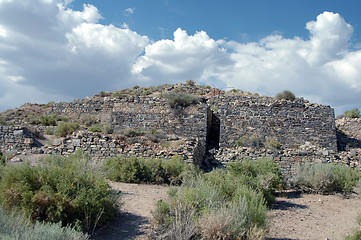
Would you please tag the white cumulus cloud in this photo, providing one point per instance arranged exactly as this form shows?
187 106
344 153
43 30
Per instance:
321 68
49 51
130 10
185 57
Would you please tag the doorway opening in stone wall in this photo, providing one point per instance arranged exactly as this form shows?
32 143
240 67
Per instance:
213 132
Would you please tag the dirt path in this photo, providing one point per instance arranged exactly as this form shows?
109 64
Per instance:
311 216
137 202
297 216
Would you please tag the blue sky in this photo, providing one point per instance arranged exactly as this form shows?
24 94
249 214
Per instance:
241 21
60 50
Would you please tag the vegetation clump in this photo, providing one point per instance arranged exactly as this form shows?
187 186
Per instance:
133 132
101 128
354 113
286 94
141 170
66 190
273 143
226 203
2 158
356 234
65 128
325 178
2 121
181 99
190 83
96 128
18 227
51 120
253 141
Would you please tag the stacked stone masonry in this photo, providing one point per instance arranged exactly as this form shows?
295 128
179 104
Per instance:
292 123
305 131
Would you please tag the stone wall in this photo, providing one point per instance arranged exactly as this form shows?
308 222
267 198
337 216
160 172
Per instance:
16 138
288 159
305 131
292 123
144 113
101 146
350 126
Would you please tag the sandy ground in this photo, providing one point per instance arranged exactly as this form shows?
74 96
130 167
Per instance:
295 216
311 216
137 202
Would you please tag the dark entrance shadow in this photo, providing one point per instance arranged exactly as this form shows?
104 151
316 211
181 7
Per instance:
213 131
285 205
124 226
345 142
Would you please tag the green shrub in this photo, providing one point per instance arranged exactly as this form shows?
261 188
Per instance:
2 121
107 129
272 142
357 188
137 170
325 178
96 128
2 158
133 132
88 120
190 82
181 99
101 128
288 95
226 203
263 175
18 227
49 120
253 141
236 221
49 131
64 189
199 210
66 128
49 104
354 113
356 234
34 120
178 222
9 154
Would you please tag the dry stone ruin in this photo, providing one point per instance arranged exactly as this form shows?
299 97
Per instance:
216 129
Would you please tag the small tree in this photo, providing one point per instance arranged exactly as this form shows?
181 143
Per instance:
190 82
181 99
288 95
66 128
354 113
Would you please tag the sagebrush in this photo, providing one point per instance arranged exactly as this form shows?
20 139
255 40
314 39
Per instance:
65 128
69 190
223 204
15 226
181 99
325 178
286 94
146 170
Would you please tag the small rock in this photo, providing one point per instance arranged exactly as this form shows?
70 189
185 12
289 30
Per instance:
16 159
57 142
